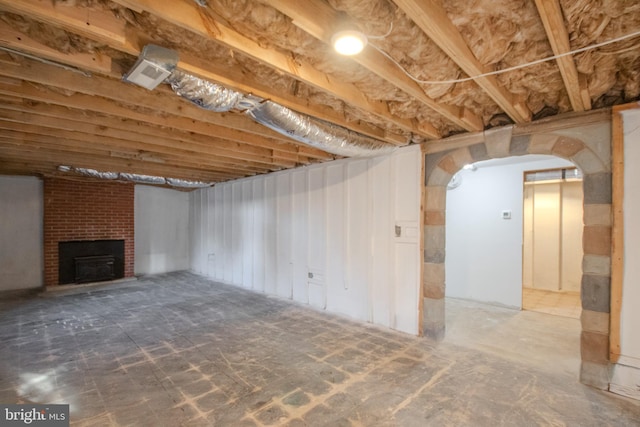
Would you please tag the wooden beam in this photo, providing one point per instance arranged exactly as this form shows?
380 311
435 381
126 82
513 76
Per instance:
112 32
129 41
89 22
195 129
617 231
550 124
22 42
40 155
110 147
431 17
238 79
159 100
203 22
553 21
319 19
73 120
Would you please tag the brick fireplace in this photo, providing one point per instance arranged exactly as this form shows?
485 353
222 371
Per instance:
86 211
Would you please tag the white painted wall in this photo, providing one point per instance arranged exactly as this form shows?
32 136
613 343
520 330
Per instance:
161 230
322 235
484 251
21 213
626 374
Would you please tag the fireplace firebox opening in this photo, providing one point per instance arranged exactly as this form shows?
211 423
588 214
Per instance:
90 261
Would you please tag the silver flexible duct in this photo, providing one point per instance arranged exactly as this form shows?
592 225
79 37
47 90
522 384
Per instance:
300 127
181 183
210 96
142 179
204 94
137 178
317 133
96 174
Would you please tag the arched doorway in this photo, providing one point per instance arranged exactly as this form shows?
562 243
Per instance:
589 149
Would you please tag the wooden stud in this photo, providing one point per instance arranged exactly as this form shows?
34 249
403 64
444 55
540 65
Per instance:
553 21
617 230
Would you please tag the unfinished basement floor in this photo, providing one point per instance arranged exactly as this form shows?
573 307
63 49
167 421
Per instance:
179 349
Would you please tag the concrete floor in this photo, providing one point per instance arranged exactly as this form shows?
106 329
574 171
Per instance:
178 349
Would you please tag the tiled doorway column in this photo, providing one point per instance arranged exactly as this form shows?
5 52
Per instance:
589 149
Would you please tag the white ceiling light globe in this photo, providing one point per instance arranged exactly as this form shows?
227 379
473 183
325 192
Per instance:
349 42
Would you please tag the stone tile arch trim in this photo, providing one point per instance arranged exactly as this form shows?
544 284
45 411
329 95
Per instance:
592 156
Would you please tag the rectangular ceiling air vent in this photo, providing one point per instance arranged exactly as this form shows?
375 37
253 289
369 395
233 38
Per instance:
154 64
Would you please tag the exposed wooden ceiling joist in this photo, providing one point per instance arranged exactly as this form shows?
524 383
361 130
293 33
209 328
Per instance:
98 131
107 88
43 153
320 20
433 20
200 21
80 112
169 126
553 21
105 28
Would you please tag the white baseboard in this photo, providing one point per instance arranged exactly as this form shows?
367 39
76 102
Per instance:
625 380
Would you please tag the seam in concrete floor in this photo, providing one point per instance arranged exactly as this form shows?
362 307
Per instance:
179 349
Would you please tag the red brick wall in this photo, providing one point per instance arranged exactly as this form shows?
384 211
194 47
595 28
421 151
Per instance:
86 210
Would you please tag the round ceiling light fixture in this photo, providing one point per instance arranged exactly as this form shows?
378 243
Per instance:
349 42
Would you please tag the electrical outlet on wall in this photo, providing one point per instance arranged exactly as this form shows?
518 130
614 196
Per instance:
506 214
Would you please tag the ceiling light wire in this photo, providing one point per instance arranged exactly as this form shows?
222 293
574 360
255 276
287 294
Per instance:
505 70
384 36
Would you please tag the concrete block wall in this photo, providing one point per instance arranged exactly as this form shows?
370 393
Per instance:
589 147
86 210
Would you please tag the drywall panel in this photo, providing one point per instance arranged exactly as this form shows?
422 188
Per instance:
382 295
227 230
204 239
337 240
358 239
406 239
270 233
299 222
323 235
317 240
237 231
484 251
195 223
162 230
247 234
21 245
218 230
284 236
210 238
626 374
258 235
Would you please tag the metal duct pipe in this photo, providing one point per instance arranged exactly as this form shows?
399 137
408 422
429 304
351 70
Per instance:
317 133
204 94
156 62
300 127
140 179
